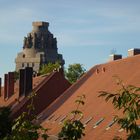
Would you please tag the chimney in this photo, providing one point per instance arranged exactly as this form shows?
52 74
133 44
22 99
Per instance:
10 84
61 70
28 80
0 87
134 51
114 57
25 81
21 82
5 85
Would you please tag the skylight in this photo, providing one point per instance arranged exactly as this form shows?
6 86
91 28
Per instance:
51 117
98 122
62 119
87 121
80 118
57 118
110 125
121 129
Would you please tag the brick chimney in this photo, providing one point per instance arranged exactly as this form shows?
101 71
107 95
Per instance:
10 84
114 57
21 82
5 85
0 87
134 51
61 70
25 81
28 80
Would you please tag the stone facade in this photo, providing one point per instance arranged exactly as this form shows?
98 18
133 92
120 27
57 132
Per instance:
39 47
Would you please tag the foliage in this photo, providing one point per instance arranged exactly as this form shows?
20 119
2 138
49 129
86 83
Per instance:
23 127
74 72
16 75
5 122
73 128
48 68
126 99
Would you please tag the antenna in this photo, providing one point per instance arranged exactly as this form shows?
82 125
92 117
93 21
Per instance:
113 51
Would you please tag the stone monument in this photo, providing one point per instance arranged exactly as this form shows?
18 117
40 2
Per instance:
39 47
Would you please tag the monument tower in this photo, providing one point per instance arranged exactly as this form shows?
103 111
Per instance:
39 47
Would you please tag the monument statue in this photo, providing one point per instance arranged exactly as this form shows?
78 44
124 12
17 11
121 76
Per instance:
39 47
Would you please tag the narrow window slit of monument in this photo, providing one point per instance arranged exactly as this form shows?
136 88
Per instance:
23 55
22 64
27 64
32 64
62 119
87 121
110 125
98 122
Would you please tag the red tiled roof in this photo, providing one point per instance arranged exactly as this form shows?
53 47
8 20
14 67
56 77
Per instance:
90 85
47 88
11 100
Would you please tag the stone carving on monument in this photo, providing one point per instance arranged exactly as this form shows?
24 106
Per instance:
39 47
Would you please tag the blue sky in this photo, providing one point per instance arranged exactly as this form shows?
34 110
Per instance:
86 30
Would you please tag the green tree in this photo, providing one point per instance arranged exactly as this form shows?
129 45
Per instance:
73 128
16 75
5 121
48 68
24 128
74 72
126 99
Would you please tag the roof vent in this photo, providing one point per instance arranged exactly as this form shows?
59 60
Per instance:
110 125
114 57
98 122
134 51
87 121
48 119
57 118
62 119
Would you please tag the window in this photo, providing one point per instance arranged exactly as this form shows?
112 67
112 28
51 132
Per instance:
98 122
110 125
27 64
22 64
80 118
62 119
87 121
57 118
40 116
48 119
33 64
23 55
121 129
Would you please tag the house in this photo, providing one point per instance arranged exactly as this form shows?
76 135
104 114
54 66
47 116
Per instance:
47 89
98 115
